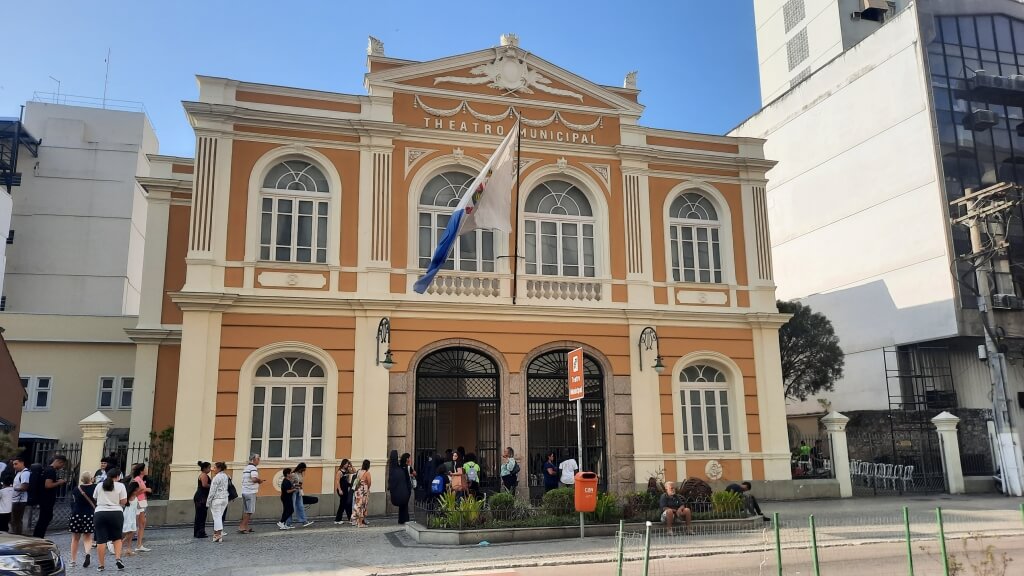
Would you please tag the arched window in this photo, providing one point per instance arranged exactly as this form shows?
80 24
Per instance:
294 203
288 409
474 252
559 231
704 405
694 230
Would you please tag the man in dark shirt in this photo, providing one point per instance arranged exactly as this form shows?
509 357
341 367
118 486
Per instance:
672 507
749 502
52 481
551 473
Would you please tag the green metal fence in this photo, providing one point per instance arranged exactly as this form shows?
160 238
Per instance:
920 542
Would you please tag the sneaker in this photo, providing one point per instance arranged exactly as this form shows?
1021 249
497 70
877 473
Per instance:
72 564
307 524
767 519
120 565
100 568
283 526
88 560
340 522
143 549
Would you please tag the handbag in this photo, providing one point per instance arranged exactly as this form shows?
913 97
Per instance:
412 479
232 493
309 499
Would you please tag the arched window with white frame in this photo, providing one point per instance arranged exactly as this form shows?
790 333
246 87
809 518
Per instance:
294 208
288 408
704 407
558 230
474 252
695 239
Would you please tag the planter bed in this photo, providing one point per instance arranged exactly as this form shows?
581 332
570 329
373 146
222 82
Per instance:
423 535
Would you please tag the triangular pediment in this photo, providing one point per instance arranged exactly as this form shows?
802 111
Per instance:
505 73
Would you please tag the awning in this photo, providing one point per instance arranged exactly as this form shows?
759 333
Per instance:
6 425
875 5
31 436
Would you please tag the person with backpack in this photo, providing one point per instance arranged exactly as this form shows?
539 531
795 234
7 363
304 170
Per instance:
509 470
52 481
22 484
36 488
400 486
472 470
439 484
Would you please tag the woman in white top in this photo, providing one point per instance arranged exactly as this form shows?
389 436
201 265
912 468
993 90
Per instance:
110 498
217 501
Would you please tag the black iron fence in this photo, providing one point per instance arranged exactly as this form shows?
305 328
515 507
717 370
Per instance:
157 463
811 456
41 459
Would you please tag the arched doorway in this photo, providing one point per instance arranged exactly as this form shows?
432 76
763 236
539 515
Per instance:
551 417
457 405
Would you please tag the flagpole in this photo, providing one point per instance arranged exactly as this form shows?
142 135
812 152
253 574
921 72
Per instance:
515 223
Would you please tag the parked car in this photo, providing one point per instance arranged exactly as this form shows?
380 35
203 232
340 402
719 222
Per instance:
27 556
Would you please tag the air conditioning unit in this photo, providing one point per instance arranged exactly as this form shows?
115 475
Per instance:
1017 82
981 120
1007 302
981 79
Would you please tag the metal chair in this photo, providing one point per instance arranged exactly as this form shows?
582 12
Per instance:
908 476
887 476
897 473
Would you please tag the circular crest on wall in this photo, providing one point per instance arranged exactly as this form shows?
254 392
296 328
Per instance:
713 470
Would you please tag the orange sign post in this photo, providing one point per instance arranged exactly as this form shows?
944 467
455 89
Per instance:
576 393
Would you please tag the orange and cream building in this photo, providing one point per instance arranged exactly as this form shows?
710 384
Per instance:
280 263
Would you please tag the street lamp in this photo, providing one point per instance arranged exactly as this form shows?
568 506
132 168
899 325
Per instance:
649 340
384 337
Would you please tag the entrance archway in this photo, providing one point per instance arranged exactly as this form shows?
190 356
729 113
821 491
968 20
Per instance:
457 404
551 417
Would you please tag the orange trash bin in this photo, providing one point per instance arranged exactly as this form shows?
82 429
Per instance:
586 491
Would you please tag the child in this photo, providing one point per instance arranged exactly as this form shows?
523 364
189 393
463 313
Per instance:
6 504
287 498
131 515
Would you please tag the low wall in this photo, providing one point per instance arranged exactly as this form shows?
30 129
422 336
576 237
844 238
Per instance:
980 485
467 537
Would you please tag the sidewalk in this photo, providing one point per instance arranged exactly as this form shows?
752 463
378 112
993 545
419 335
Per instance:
384 548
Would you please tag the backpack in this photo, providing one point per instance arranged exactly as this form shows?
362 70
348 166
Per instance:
437 485
515 470
472 471
36 485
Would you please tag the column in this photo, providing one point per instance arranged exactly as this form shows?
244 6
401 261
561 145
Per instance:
370 406
945 426
771 401
196 406
144 392
648 452
94 437
835 425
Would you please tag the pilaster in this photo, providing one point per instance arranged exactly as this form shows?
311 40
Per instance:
835 425
771 401
945 427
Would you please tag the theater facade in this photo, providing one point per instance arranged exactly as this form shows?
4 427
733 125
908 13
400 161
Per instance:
278 315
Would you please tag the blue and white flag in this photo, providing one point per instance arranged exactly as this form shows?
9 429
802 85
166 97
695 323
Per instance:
487 203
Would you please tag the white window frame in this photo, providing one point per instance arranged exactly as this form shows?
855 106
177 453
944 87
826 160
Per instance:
319 255
290 385
33 389
537 220
719 390
434 212
112 390
121 391
117 389
726 227
677 244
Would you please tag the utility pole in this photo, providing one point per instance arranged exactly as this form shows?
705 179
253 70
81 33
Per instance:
980 205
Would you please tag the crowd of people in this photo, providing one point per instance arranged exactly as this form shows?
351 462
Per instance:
108 508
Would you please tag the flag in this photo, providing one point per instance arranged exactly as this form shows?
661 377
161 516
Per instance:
487 203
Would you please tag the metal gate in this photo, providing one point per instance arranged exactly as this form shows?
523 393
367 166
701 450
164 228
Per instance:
552 417
42 458
448 381
905 456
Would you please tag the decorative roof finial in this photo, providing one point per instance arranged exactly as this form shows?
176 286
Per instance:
510 39
375 47
630 81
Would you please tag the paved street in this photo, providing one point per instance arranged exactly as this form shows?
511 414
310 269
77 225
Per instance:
383 548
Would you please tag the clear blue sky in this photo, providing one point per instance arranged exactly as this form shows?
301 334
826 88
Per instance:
697 58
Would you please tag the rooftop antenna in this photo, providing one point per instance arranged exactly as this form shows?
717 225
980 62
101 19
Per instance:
106 78
56 99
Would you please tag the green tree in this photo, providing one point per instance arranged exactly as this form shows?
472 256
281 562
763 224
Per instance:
812 360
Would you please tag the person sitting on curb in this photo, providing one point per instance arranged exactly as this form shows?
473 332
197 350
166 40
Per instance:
672 507
749 502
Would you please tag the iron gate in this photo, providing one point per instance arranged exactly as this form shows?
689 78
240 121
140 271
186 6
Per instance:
451 376
551 425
